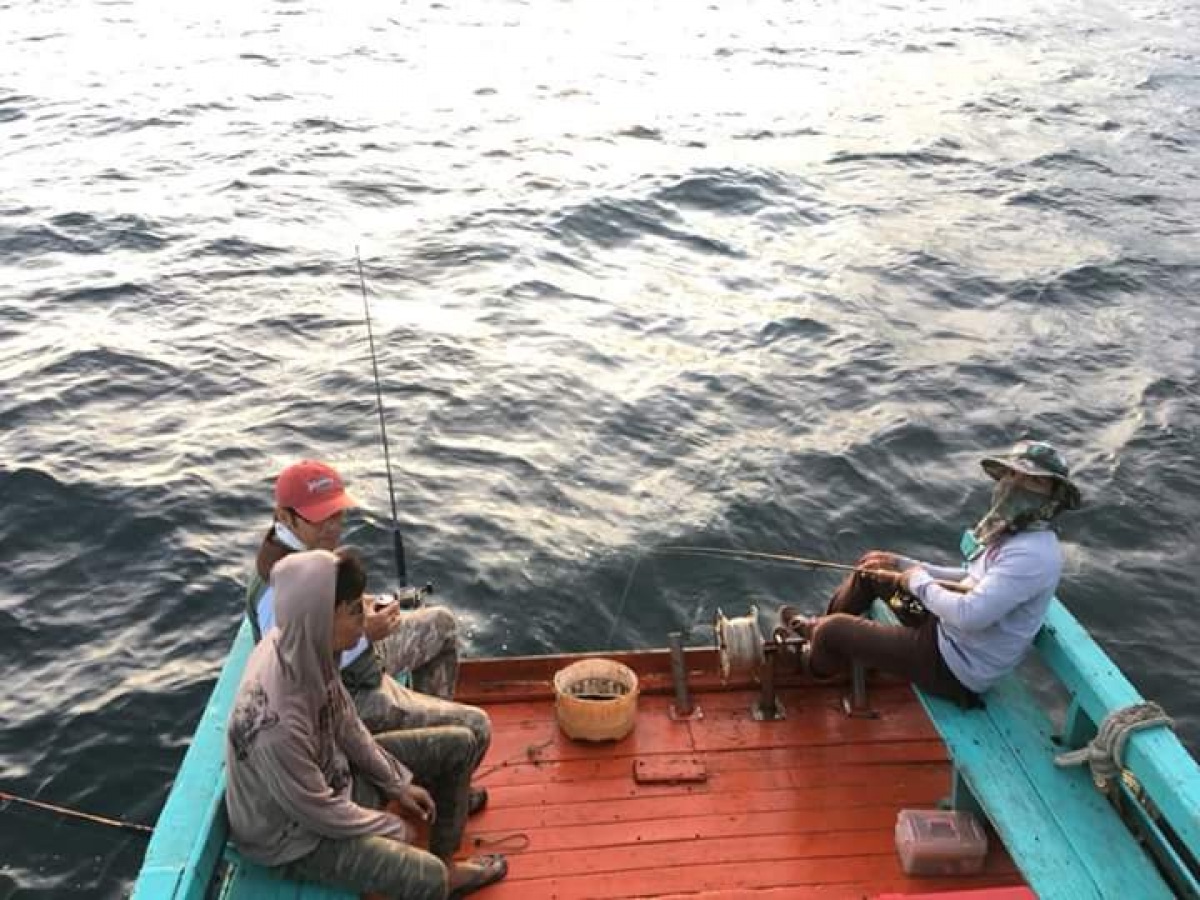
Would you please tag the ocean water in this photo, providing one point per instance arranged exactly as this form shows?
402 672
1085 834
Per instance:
764 275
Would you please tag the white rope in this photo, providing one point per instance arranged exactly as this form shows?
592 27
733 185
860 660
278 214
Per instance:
1105 753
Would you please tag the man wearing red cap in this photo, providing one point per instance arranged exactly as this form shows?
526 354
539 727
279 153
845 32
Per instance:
310 505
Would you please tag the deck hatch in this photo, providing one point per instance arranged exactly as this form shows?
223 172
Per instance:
669 770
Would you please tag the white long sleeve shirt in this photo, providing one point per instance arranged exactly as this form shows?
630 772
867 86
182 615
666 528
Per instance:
984 633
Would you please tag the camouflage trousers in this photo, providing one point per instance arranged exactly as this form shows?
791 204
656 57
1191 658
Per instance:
424 643
440 760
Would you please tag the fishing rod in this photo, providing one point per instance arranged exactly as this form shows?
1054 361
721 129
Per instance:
397 538
76 814
802 561
754 554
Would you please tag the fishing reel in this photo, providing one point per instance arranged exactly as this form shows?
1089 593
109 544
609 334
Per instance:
907 608
411 597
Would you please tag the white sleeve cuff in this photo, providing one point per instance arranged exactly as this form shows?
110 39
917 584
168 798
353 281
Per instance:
918 581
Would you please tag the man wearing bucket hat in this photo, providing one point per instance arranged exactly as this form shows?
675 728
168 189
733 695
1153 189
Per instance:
310 504
981 621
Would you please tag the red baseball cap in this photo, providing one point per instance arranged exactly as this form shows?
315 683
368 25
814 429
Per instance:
313 489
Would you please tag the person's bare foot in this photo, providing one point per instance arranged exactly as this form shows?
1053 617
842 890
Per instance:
469 875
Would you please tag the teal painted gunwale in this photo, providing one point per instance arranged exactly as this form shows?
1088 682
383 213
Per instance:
190 833
1167 772
188 858
1061 831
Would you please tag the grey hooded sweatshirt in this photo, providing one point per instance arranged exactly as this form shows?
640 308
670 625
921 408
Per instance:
294 733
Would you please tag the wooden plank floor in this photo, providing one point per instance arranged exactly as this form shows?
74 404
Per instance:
800 808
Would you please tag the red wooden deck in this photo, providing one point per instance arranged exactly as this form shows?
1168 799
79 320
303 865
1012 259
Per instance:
803 807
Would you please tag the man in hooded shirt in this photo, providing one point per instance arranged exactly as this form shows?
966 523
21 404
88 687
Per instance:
979 623
310 504
304 773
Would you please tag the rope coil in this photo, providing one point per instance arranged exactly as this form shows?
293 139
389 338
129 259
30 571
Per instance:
1105 753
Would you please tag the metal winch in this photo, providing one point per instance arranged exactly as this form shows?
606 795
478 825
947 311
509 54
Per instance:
739 644
742 650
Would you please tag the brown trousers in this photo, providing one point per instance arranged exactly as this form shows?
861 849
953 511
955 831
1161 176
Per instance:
910 652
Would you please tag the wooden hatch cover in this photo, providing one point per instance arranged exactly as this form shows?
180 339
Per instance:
669 770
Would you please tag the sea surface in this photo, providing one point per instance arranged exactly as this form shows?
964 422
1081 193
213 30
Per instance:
764 275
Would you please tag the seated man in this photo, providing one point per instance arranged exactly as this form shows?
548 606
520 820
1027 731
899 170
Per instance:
310 502
305 775
981 622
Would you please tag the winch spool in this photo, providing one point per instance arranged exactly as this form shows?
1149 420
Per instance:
739 644
596 700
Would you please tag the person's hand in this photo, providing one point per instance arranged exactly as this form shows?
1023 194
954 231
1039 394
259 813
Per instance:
407 833
879 559
895 580
415 801
904 578
379 624
886 580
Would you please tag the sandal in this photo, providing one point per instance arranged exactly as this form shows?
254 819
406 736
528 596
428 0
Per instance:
488 870
477 800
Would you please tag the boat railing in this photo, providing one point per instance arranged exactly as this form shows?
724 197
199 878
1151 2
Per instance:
1136 836
189 837
1160 785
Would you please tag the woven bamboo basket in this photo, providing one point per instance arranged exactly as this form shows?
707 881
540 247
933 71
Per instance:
595 700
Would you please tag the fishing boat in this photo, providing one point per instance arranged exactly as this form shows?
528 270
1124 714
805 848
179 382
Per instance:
739 778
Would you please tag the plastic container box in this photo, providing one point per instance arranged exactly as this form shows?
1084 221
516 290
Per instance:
940 842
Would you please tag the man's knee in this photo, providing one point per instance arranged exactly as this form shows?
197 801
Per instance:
457 744
480 726
445 623
374 708
434 880
835 632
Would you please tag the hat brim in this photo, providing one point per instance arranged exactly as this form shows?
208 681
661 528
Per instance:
997 468
319 512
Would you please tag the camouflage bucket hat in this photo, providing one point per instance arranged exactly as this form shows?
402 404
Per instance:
1036 458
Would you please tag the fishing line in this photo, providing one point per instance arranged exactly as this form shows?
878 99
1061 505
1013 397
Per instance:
720 481
694 620
786 559
637 561
529 754
397 538
509 843
76 814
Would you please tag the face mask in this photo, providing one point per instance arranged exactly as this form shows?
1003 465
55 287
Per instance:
1013 509
287 537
